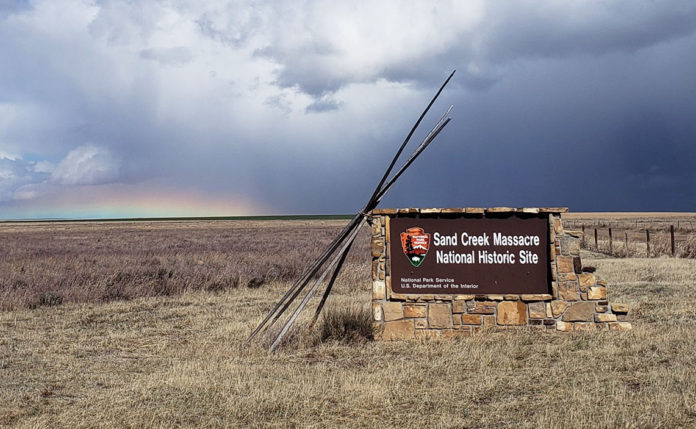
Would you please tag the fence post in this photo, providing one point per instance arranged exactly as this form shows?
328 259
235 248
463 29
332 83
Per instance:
611 244
647 241
595 239
583 235
671 236
626 241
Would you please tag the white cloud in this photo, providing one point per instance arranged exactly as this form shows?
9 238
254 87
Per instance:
169 56
6 174
44 167
15 173
323 45
86 165
28 192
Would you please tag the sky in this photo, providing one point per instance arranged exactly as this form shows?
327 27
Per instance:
220 108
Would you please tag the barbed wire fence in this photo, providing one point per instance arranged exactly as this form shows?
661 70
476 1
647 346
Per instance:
637 238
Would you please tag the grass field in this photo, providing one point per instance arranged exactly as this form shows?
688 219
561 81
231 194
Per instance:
628 233
165 350
105 261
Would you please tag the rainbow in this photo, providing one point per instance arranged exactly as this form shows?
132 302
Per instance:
128 201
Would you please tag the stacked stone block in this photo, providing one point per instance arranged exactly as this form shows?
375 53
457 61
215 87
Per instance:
577 300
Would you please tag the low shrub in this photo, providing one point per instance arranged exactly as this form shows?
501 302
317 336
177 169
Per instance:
688 248
48 299
349 324
256 282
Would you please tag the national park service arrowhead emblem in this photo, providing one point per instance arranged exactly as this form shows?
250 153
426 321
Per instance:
415 243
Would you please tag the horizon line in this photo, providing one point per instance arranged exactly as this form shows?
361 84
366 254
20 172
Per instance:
174 218
285 217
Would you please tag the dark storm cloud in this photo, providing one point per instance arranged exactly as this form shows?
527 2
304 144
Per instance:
299 106
611 133
505 31
561 30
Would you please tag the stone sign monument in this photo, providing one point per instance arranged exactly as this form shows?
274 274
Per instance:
450 272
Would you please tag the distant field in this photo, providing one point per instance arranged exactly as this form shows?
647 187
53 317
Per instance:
131 345
628 215
188 219
105 261
101 261
630 233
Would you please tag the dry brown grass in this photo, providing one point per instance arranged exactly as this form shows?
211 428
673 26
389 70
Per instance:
608 216
629 233
101 262
175 361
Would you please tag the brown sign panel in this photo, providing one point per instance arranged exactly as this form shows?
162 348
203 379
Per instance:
468 255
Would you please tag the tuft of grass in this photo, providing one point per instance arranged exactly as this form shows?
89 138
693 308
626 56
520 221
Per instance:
688 248
48 299
296 337
256 282
348 324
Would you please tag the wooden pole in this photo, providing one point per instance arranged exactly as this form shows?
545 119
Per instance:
626 240
595 239
297 287
671 236
346 237
368 207
408 137
647 241
583 235
350 230
611 244
431 136
309 294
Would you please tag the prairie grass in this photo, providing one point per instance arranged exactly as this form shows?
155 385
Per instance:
628 233
48 263
176 361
